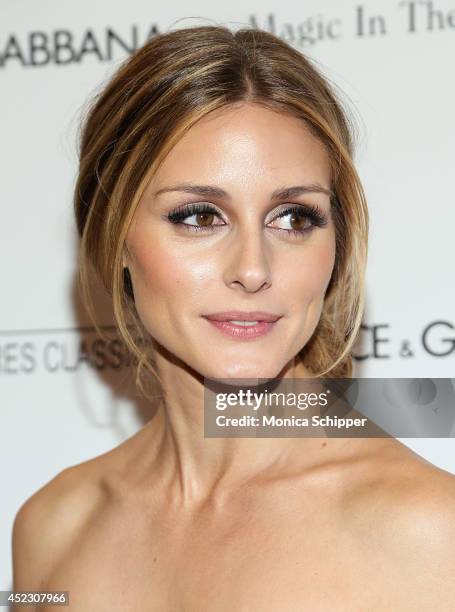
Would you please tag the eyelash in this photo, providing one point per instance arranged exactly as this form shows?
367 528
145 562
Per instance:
312 213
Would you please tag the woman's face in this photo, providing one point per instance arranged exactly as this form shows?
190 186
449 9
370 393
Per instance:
240 250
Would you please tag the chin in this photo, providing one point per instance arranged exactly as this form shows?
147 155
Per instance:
246 370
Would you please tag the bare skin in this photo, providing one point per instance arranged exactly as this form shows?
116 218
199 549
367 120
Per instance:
172 521
369 527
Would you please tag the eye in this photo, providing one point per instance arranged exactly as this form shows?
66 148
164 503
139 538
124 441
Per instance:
303 218
296 221
196 217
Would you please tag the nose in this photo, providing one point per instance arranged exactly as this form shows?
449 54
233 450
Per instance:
248 262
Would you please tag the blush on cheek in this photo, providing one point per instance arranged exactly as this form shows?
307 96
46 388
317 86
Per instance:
167 278
316 270
310 279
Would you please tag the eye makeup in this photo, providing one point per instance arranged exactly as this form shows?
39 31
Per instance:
311 213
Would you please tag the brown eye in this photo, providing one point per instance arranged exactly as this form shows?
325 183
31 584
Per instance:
196 217
294 221
297 221
205 218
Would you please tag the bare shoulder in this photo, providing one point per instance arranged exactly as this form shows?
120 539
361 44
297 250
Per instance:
53 520
50 522
426 503
405 511
421 536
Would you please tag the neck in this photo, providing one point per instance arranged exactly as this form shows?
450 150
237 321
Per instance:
193 469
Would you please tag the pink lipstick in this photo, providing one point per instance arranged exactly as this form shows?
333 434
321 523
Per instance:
243 325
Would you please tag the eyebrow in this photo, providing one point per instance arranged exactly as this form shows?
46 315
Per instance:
278 194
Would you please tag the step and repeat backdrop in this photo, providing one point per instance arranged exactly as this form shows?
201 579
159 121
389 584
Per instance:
66 396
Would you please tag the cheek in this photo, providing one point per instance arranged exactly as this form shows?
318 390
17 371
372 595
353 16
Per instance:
311 271
165 275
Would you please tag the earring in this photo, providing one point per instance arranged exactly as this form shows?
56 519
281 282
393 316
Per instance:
127 284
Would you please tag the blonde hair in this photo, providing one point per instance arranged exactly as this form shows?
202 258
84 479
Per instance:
154 97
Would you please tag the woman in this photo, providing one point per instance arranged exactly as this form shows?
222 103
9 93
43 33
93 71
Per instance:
218 203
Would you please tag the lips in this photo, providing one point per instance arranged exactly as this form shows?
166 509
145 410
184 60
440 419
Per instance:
238 315
242 325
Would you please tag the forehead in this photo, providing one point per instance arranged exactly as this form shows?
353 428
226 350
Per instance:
246 144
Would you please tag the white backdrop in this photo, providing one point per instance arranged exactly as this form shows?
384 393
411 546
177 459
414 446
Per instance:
393 60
